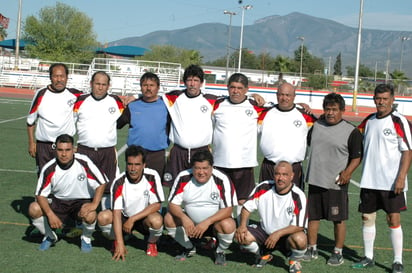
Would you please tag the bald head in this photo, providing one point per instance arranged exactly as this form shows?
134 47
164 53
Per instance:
286 96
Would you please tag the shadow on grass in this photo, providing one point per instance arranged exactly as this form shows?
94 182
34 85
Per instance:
22 206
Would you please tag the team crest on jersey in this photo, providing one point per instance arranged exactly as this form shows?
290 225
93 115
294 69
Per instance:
203 108
146 193
112 110
387 132
297 123
71 102
289 210
214 196
81 177
249 112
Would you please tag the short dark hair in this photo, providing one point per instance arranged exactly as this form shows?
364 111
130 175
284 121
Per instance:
64 138
51 68
193 71
149 76
134 150
200 156
383 88
101 73
333 98
238 77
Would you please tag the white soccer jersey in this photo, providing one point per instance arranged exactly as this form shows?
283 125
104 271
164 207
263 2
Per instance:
235 133
191 125
53 112
79 181
384 140
283 134
133 198
201 201
277 211
96 120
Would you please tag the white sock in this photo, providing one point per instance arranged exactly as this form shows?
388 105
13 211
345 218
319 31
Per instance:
297 254
154 234
314 247
338 250
369 234
43 226
180 236
252 248
225 240
396 236
107 231
88 230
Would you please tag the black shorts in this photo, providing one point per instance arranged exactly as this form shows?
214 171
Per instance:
327 204
45 151
243 179
105 159
388 201
261 237
156 160
179 160
267 172
65 209
138 225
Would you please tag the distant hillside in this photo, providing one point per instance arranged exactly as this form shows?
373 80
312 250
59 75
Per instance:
278 35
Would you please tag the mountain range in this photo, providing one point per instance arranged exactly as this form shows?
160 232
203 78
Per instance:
278 35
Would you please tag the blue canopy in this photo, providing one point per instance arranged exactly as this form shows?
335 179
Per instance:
125 51
11 44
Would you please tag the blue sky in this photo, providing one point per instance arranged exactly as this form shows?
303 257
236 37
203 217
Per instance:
114 20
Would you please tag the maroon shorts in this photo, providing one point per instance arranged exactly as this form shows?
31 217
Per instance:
67 208
179 160
45 151
243 179
267 172
105 159
261 237
328 204
388 201
156 160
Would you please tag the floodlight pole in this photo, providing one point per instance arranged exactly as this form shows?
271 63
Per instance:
355 89
403 39
230 13
16 57
241 35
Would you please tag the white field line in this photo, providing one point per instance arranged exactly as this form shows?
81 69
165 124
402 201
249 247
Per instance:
11 120
16 171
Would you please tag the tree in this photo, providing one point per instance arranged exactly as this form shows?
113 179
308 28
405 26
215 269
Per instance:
310 64
3 33
282 64
337 68
60 33
399 80
169 53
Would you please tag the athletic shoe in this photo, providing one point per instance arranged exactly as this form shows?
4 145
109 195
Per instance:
47 243
335 259
220 258
295 267
151 249
74 232
186 253
261 261
85 247
397 267
364 263
310 254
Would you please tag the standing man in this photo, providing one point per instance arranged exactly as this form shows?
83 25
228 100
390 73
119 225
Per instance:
235 136
208 198
191 128
149 123
281 206
283 131
52 110
76 185
336 152
96 115
137 198
387 149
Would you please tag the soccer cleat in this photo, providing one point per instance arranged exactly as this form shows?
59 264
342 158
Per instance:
47 243
220 258
335 259
310 254
295 267
261 261
186 253
151 250
364 263
397 268
85 247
